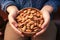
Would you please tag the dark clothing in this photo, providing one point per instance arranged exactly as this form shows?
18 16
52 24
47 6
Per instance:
29 3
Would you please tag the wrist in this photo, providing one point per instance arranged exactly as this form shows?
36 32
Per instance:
47 8
12 9
44 10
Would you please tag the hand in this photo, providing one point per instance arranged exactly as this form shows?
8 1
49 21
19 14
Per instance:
44 26
13 23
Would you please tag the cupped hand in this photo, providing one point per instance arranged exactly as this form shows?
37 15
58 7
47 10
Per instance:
44 26
13 23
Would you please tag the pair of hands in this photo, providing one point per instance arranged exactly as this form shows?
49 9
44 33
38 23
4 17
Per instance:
46 17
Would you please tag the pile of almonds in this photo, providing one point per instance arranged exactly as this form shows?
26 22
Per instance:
29 20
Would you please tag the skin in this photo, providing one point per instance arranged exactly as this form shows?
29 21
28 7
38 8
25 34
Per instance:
46 11
13 11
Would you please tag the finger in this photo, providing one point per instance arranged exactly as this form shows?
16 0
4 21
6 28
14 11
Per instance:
45 24
18 12
46 20
12 21
44 27
14 25
41 32
16 30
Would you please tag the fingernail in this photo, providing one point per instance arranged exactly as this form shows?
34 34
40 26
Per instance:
22 35
42 27
14 24
34 36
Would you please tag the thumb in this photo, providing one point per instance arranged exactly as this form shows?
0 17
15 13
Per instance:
12 21
39 33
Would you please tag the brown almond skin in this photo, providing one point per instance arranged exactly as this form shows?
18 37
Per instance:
29 21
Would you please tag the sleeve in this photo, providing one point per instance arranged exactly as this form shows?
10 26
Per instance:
53 3
6 3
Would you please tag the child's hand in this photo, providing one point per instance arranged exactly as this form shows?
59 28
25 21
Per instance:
13 23
44 26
